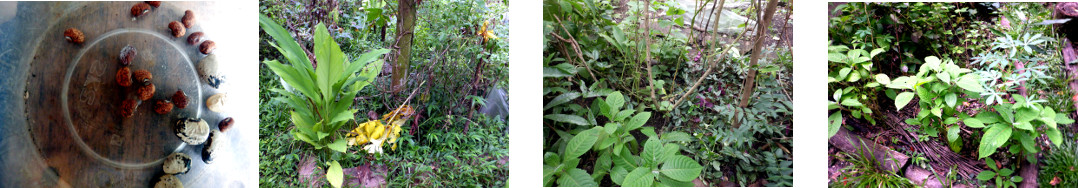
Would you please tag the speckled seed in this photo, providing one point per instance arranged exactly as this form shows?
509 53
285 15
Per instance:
176 28
123 77
225 124
143 76
162 106
213 144
168 181
127 107
192 131
207 69
216 102
179 99
74 36
177 163
140 9
127 55
155 4
188 18
145 92
194 38
207 47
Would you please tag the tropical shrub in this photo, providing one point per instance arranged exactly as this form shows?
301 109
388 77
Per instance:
940 85
1018 123
853 79
657 163
322 101
1002 176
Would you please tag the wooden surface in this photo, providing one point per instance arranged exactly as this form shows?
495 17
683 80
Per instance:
118 151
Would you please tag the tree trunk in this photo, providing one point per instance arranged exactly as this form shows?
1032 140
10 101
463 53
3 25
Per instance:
761 33
406 10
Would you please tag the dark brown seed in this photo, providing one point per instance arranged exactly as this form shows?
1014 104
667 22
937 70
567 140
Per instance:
155 4
123 77
127 108
207 47
146 91
177 29
143 76
74 36
127 55
140 9
225 124
179 99
194 38
162 107
188 19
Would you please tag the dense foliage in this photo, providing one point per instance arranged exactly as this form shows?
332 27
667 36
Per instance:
431 132
635 96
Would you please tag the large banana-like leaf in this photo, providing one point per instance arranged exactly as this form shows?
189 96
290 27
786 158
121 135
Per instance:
330 61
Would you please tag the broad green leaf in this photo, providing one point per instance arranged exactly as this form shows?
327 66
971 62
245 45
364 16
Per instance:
1024 125
835 122
561 99
993 138
1026 141
653 150
970 82
843 73
932 62
334 174
639 177
974 122
576 178
851 102
610 128
623 114
1055 136
566 118
902 99
676 136
952 133
637 121
330 61
615 100
945 77
883 79
341 145
581 143
986 175
951 99
681 168
617 174
1025 115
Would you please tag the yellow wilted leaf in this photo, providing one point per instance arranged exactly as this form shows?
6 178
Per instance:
359 136
403 111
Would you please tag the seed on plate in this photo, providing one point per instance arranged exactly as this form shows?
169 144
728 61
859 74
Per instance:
123 76
127 107
208 70
192 131
74 36
168 181
145 92
140 9
163 106
207 47
143 76
225 124
194 38
154 3
177 163
209 152
177 29
188 19
127 55
216 102
179 99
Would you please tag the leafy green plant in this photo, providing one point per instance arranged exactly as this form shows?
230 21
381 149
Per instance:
1020 122
1058 169
940 85
322 104
657 163
852 73
1002 176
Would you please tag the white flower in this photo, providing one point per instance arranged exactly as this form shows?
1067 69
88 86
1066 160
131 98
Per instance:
375 146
